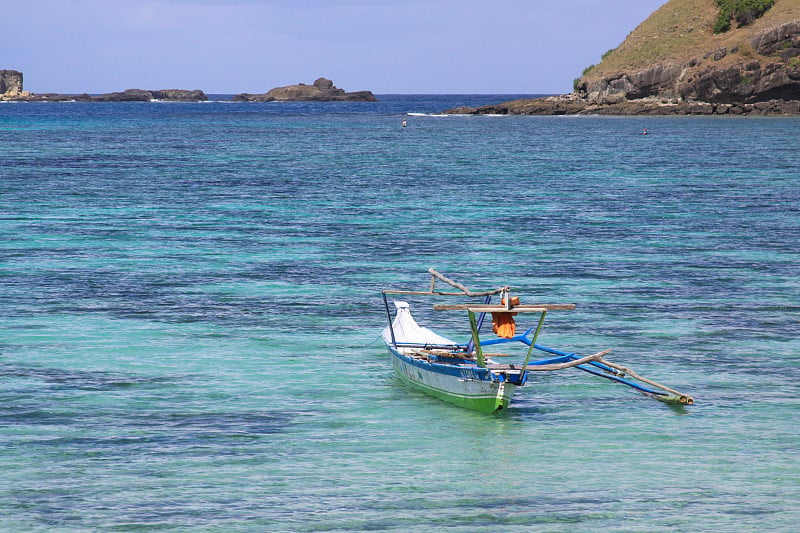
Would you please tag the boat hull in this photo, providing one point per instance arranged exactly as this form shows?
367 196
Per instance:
470 386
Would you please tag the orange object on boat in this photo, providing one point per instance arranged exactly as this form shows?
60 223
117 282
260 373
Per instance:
503 324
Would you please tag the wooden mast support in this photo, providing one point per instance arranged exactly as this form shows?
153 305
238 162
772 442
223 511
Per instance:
473 324
533 341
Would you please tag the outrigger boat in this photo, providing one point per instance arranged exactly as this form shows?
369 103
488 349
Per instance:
467 375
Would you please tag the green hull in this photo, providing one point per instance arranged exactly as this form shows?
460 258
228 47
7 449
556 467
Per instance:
496 400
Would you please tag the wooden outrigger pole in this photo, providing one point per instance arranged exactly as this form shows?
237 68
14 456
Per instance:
606 369
462 289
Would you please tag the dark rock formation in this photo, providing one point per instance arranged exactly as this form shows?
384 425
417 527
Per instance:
783 37
181 95
323 90
129 95
10 84
572 104
654 81
748 83
139 95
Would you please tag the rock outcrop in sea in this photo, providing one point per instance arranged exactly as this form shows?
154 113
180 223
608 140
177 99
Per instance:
128 95
11 89
11 85
755 71
323 90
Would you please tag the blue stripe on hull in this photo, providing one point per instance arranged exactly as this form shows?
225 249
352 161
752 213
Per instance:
467 386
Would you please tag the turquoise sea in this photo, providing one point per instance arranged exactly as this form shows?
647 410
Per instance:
190 315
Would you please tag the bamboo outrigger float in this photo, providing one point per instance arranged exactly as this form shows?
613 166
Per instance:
466 375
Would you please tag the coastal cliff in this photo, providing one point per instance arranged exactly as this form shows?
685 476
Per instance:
675 63
323 90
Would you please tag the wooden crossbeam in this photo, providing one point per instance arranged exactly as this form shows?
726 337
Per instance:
534 308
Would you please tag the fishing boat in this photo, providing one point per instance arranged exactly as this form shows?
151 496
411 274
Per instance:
467 373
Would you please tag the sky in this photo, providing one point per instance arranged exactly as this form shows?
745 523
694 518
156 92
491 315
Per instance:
386 46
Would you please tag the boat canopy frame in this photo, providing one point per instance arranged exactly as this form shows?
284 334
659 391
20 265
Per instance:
476 313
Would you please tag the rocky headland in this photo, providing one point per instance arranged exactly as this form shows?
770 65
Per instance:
323 90
674 64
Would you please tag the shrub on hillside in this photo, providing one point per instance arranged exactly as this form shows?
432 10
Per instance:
742 11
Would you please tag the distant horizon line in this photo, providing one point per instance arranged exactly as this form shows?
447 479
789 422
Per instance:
245 92
208 93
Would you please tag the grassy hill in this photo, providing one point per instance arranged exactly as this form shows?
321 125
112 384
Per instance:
681 30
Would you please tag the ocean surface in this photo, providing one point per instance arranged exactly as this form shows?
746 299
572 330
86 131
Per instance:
190 317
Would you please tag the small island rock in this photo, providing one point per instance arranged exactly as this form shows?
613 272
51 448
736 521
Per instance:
323 90
11 85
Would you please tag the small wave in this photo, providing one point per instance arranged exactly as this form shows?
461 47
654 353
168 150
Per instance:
431 115
167 101
455 115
